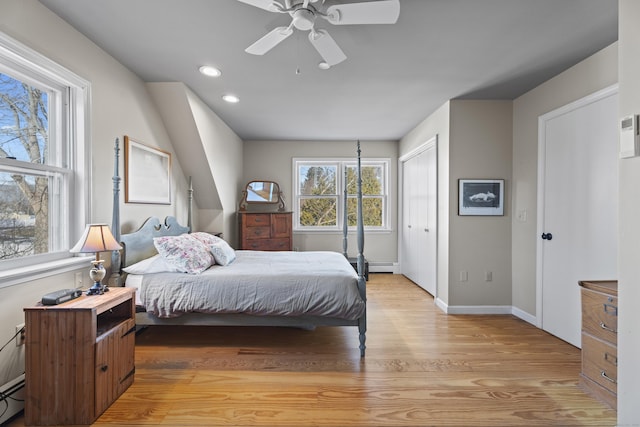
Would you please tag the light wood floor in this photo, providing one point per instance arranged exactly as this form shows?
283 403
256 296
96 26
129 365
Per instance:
422 368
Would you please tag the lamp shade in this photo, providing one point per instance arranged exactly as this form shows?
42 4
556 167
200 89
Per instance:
96 238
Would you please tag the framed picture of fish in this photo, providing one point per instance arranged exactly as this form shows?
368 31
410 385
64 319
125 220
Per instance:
481 197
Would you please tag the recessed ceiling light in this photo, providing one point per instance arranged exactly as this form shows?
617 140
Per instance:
210 71
231 98
324 66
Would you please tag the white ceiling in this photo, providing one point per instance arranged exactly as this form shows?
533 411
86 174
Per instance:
394 75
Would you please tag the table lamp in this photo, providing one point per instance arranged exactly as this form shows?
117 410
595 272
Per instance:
95 239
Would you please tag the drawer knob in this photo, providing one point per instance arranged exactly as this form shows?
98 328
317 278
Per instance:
606 328
604 375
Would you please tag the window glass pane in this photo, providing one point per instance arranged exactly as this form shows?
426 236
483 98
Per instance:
318 212
372 180
317 180
371 211
24 215
24 123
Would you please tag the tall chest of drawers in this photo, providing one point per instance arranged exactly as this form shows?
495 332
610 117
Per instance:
265 231
599 374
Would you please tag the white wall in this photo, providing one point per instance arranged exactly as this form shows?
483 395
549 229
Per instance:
437 124
120 105
594 73
273 160
210 151
629 235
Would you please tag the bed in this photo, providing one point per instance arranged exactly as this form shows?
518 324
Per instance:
292 289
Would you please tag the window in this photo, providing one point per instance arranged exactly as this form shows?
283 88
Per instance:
319 194
43 195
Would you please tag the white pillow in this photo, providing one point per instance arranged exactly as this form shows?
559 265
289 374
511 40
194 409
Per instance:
155 264
184 252
222 252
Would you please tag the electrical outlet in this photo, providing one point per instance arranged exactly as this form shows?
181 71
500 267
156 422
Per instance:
78 280
20 337
488 276
464 276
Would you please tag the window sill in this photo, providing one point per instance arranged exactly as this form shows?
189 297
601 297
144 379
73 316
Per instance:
16 276
340 232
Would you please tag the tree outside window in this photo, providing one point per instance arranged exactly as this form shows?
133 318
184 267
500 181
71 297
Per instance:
24 197
320 193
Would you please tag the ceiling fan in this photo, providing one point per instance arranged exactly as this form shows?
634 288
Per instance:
304 14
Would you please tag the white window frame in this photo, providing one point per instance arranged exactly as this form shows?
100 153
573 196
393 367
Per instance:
341 164
70 125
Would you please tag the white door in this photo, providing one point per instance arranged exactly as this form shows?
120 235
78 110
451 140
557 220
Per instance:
579 198
419 222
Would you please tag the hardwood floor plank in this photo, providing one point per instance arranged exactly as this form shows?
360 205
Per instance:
422 368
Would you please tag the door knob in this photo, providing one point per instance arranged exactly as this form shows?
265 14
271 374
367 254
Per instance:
547 236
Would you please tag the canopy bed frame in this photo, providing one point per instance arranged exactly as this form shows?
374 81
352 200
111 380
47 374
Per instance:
139 245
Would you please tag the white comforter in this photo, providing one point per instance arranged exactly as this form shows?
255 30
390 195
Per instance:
260 283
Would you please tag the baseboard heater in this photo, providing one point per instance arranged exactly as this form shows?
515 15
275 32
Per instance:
12 394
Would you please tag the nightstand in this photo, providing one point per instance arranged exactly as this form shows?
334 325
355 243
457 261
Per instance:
79 357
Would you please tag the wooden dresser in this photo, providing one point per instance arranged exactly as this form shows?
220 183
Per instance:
599 374
265 231
79 357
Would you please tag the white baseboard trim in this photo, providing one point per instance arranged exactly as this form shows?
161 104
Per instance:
486 309
479 309
529 318
14 404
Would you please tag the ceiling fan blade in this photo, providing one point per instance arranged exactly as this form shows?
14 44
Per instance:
270 5
327 47
269 41
376 12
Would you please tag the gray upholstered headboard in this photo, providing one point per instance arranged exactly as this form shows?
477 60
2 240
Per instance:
139 244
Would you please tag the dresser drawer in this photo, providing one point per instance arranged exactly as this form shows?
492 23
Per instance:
253 233
257 220
600 362
600 315
268 245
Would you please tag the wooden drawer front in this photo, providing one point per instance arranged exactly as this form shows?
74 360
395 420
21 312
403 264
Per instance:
281 225
258 232
114 364
600 315
257 220
599 362
268 245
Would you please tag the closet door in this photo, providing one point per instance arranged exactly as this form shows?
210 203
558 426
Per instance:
418 245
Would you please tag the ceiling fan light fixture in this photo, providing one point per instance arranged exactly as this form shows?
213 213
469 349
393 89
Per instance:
231 99
303 19
210 71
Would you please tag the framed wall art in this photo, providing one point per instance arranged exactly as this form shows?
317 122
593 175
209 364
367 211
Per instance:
147 174
481 197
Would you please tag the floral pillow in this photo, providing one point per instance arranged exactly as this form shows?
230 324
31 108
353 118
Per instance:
222 253
186 253
206 238
155 264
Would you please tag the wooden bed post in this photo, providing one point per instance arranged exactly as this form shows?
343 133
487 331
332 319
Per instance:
362 284
114 279
190 213
345 225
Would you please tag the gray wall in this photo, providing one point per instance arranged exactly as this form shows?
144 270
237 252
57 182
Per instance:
120 105
273 160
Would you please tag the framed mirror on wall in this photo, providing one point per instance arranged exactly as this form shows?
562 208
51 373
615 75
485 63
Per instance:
262 193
